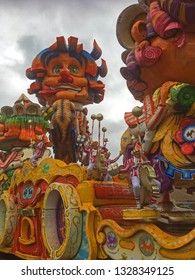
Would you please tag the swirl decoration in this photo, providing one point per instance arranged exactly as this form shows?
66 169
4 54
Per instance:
148 56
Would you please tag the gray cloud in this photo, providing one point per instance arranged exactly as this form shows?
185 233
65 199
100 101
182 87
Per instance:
29 45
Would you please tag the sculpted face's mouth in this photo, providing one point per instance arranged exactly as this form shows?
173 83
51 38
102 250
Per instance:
66 87
52 90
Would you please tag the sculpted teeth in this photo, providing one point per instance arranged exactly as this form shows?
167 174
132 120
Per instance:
66 87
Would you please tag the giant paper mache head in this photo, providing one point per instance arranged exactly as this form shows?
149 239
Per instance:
66 71
159 39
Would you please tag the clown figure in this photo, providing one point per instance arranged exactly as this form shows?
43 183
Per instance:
92 152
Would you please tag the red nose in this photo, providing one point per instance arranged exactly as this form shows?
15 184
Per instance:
65 76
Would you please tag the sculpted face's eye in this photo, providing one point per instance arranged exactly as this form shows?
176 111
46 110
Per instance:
56 69
73 69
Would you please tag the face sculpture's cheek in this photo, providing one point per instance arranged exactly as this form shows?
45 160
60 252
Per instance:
173 65
65 79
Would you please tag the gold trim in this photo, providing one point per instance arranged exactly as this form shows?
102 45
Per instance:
9 221
27 227
47 170
140 214
164 239
69 248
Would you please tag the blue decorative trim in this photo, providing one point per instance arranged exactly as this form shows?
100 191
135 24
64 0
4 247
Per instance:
171 169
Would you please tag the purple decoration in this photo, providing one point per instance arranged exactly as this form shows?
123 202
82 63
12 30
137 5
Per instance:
160 170
111 240
60 221
175 9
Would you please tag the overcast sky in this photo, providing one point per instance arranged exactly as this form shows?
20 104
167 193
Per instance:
29 26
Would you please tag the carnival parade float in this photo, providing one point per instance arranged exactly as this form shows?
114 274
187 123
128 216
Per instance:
61 195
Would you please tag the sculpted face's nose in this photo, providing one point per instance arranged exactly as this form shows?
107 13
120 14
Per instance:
65 76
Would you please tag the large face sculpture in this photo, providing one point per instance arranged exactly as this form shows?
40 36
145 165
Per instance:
159 38
66 71
65 79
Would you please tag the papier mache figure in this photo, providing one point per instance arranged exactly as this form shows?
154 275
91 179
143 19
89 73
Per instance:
39 147
111 165
92 151
159 41
133 164
96 155
66 78
99 158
